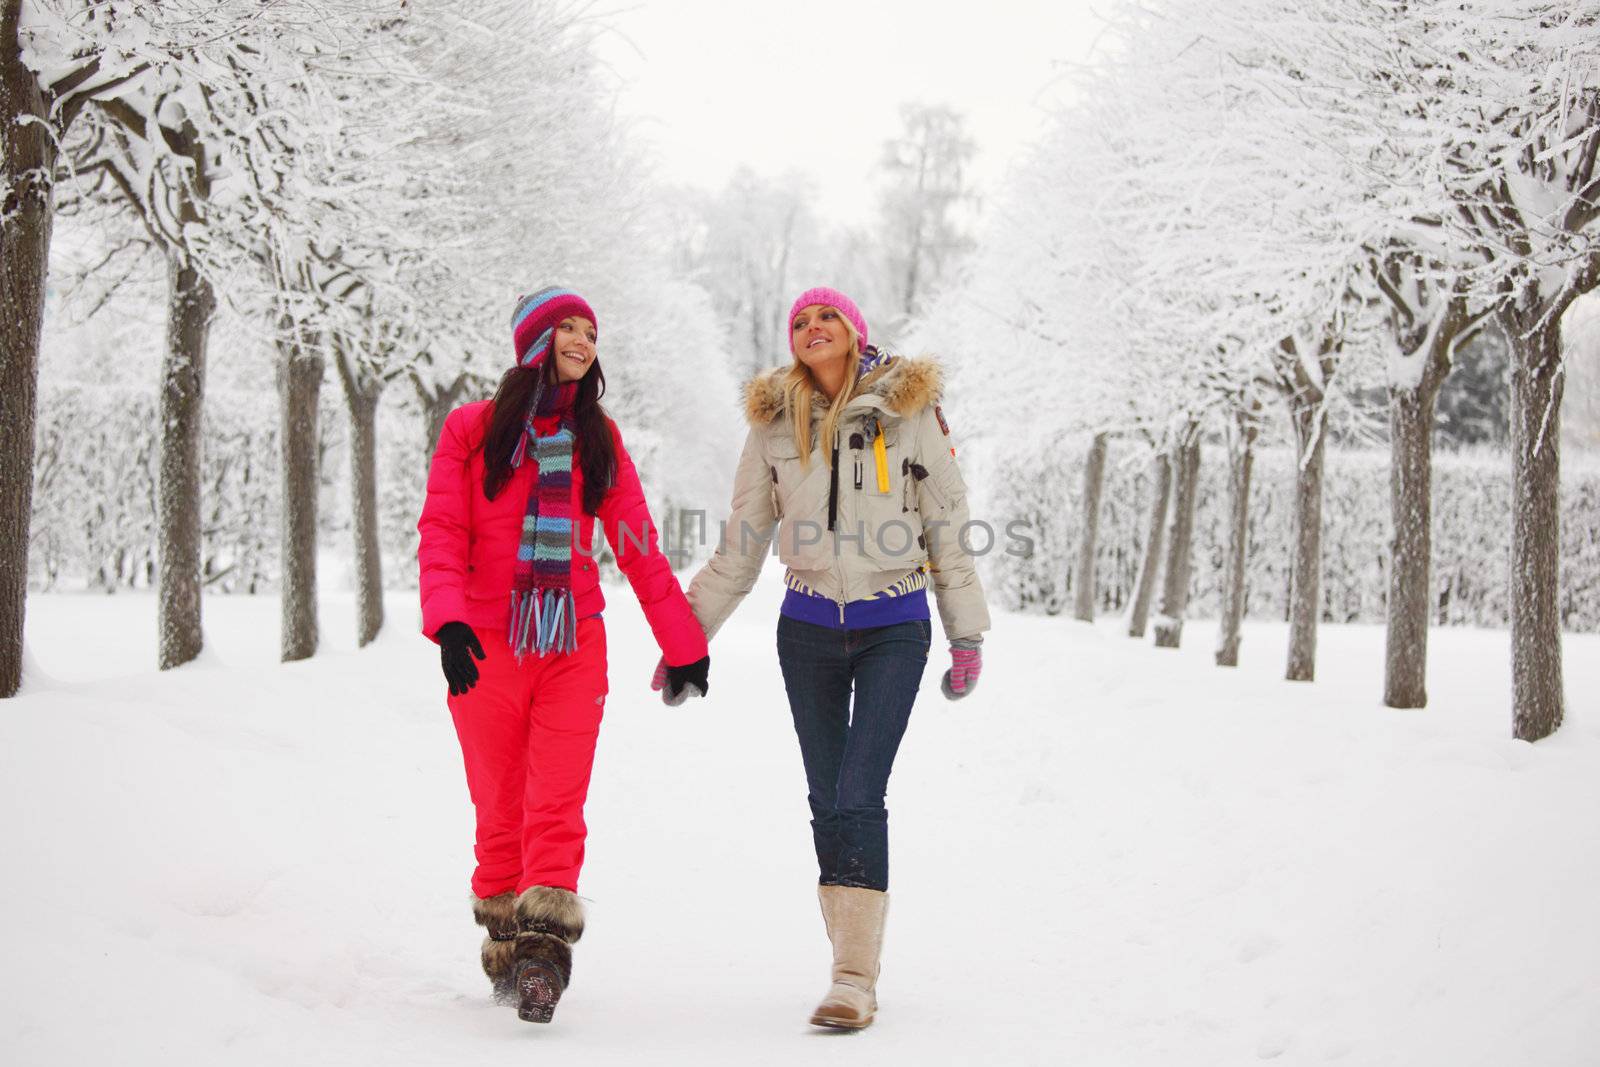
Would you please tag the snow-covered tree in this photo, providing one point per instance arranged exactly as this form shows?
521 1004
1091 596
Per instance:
926 190
54 59
155 78
1247 244
534 184
1516 136
404 239
1050 301
1327 183
758 242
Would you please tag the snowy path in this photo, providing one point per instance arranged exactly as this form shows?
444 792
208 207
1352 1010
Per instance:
1109 855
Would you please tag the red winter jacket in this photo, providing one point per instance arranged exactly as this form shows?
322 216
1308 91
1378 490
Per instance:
469 542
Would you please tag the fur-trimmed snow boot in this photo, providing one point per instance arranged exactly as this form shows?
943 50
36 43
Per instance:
498 916
854 918
549 923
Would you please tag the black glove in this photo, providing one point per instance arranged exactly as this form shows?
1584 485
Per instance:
457 646
680 678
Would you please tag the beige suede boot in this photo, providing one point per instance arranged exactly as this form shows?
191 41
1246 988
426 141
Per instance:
855 926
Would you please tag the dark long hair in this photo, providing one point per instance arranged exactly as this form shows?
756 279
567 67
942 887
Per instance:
597 454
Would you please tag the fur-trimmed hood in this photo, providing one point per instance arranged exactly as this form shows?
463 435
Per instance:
903 386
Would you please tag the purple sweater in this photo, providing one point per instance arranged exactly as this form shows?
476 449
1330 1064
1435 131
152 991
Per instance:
903 601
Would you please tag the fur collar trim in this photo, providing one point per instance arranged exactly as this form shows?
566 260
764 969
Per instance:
904 386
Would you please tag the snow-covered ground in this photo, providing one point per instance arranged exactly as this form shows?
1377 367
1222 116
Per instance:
1110 854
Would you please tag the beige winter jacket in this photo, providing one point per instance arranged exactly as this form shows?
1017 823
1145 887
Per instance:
891 516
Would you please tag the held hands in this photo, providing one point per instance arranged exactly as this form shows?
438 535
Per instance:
966 663
457 647
677 684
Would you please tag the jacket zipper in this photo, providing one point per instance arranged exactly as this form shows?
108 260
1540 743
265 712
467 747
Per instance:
833 486
833 515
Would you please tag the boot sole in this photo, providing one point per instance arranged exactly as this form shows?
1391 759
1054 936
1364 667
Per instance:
538 991
834 1022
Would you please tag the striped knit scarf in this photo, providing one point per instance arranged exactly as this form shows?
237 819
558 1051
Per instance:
543 613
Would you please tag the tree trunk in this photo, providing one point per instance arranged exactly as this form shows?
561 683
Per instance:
1139 617
191 302
1094 476
1427 342
1175 589
1538 700
299 383
1305 570
1240 465
1411 417
24 260
362 401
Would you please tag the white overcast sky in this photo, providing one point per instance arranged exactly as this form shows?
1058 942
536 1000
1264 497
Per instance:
817 86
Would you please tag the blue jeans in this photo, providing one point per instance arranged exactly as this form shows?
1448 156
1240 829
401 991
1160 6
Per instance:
849 752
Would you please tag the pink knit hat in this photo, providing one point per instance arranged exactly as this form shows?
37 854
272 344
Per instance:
831 298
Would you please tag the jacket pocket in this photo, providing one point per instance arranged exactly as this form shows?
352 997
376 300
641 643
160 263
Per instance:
799 502
890 534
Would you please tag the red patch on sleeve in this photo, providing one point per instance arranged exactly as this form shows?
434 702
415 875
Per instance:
938 413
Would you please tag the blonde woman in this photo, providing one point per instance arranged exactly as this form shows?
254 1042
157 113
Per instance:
849 463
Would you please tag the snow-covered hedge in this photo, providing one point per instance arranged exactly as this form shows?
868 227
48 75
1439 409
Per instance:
95 498
95 477
1471 535
95 485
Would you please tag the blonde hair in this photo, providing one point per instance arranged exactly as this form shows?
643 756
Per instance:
800 388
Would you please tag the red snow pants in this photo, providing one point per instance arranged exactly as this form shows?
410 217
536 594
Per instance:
528 734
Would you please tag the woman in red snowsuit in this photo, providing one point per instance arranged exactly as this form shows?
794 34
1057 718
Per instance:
511 593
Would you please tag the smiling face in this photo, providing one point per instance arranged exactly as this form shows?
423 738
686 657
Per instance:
572 348
819 336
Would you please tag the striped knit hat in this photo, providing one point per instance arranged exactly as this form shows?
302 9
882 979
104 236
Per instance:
536 317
